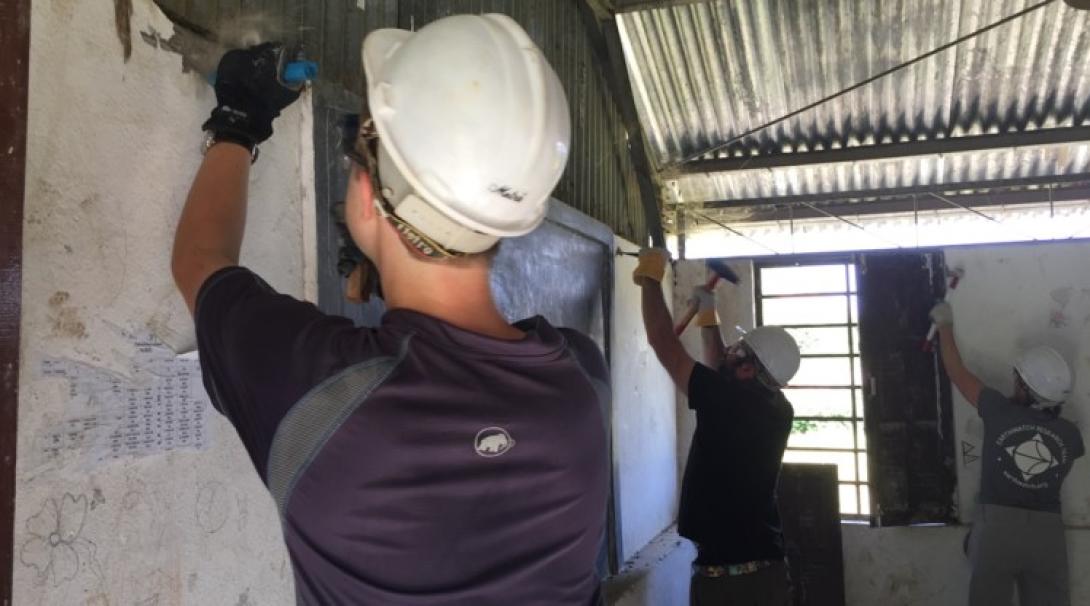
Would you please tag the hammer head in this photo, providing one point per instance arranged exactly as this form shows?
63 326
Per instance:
719 266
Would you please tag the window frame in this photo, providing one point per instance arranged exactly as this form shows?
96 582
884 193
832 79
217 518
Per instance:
857 420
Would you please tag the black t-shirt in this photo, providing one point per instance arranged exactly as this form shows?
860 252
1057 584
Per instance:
415 463
728 495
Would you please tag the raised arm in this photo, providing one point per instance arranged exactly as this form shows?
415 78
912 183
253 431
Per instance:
708 320
966 382
249 96
656 318
209 234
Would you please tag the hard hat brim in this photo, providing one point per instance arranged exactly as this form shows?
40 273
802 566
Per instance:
378 47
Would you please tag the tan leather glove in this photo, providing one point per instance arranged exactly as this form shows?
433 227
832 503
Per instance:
652 265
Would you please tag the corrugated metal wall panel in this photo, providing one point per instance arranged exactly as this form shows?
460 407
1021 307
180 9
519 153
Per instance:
600 180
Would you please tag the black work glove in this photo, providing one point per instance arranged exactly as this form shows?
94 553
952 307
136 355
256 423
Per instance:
249 94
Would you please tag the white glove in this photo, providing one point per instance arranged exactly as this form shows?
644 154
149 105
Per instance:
704 299
942 314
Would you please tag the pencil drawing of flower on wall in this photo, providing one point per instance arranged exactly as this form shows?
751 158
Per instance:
55 546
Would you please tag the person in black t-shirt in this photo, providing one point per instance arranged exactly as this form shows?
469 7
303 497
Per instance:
447 456
728 496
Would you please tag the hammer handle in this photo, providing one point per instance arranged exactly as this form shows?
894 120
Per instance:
690 313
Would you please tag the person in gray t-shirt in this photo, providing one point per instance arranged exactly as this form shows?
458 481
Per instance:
1018 535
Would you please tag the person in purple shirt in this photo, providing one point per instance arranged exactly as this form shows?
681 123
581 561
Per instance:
447 456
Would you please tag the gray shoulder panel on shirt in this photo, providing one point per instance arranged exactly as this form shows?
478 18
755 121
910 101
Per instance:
303 432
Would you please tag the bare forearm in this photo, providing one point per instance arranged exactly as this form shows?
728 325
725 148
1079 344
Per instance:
656 317
966 382
951 356
209 234
712 345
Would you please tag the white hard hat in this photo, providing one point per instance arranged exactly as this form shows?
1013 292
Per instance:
777 351
1046 374
473 128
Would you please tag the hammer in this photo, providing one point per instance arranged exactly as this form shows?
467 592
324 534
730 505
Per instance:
719 270
953 276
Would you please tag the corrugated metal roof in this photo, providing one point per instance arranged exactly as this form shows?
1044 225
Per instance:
704 73
919 171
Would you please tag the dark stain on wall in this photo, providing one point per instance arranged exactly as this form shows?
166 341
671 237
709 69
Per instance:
123 17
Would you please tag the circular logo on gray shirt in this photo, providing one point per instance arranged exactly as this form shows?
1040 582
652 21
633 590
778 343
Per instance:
493 441
1031 451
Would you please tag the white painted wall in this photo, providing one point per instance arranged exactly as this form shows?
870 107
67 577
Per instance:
112 148
644 430
927 567
905 566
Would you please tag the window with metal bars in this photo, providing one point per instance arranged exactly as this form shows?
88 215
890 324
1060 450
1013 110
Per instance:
817 302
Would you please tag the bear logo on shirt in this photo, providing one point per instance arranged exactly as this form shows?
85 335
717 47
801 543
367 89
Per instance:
493 441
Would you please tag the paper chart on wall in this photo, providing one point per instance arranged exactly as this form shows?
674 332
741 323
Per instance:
160 406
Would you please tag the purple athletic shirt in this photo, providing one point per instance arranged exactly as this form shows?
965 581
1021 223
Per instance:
415 463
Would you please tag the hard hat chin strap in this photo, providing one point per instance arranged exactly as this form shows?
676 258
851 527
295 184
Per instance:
1039 404
360 145
409 234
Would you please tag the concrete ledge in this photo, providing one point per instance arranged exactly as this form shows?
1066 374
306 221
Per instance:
658 575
